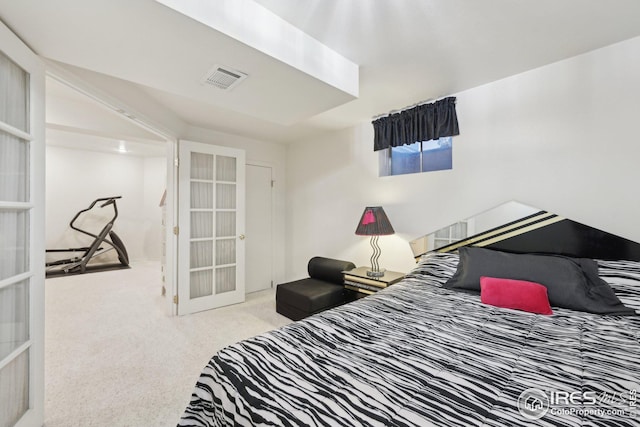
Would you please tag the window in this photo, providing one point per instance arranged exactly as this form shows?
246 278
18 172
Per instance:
451 234
425 156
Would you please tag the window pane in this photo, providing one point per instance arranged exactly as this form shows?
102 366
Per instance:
225 224
443 233
201 225
201 254
14 169
14 317
201 195
202 166
201 284
225 196
14 94
225 279
405 159
14 243
459 231
226 168
437 154
225 251
14 390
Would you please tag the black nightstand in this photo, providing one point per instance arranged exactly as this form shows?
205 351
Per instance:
357 284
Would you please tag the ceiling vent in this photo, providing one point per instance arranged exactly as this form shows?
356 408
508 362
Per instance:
224 77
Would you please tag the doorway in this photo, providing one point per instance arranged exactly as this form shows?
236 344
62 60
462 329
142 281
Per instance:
92 153
259 267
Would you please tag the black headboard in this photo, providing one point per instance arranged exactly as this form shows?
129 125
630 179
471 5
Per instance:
530 230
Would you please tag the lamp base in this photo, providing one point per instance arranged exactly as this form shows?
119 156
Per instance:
377 273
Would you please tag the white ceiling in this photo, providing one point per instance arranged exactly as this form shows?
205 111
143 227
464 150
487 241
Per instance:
76 140
407 51
76 121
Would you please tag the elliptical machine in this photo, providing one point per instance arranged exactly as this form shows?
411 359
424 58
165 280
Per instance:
107 240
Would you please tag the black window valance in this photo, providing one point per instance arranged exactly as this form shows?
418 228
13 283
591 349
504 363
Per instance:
422 123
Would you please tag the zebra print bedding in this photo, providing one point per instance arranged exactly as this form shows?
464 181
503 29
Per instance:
416 354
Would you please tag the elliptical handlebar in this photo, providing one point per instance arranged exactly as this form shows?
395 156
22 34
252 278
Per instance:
107 201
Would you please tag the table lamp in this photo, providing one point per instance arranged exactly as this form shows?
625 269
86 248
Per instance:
374 223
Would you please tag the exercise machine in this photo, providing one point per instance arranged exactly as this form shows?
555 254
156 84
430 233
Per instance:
84 259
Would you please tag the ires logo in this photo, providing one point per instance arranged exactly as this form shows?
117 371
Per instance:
559 398
533 404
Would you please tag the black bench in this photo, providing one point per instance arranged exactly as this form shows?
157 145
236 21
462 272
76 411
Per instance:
324 289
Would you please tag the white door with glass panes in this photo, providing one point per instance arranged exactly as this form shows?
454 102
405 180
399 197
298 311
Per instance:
21 234
211 249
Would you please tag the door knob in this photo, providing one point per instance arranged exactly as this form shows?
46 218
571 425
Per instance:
242 237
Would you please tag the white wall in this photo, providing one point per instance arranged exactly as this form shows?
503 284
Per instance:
76 177
261 152
562 138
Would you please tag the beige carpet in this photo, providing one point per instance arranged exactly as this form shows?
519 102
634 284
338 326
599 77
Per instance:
113 358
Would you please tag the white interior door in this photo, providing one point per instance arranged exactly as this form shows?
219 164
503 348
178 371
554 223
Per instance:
211 214
259 228
21 234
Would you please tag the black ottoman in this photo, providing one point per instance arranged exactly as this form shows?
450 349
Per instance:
324 289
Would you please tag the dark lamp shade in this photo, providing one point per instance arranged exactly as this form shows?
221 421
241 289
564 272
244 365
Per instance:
374 222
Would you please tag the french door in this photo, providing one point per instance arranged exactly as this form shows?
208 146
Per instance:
211 212
21 234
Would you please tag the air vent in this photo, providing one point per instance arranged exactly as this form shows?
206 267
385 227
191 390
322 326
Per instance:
224 77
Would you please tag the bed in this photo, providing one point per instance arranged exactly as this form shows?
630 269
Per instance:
420 353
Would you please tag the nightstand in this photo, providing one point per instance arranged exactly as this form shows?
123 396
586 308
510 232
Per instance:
358 284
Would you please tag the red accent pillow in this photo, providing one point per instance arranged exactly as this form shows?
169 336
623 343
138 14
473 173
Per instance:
515 294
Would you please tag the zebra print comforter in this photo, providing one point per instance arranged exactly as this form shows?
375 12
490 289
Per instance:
416 354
